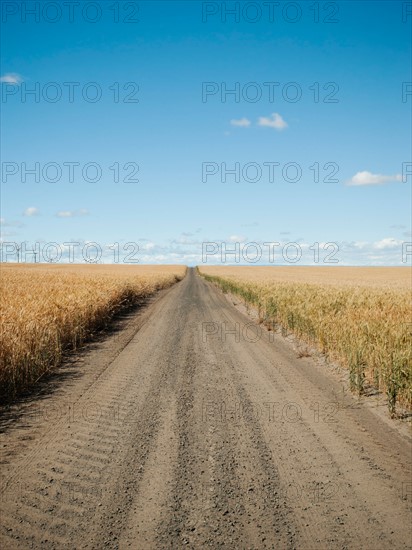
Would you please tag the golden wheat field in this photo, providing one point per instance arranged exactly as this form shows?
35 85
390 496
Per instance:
360 317
49 309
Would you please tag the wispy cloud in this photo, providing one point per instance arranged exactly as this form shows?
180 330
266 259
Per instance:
72 213
31 211
240 122
237 239
6 223
275 120
65 214
11 78
367 178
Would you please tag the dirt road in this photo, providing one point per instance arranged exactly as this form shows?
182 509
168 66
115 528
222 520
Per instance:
191 428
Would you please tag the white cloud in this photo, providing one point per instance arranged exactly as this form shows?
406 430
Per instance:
237 239
386 251
31 211
11 78
72 213
241 122
387 243
65 214
367 178
360 245
274 121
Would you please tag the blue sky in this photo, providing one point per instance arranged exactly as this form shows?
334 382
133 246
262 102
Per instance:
358 54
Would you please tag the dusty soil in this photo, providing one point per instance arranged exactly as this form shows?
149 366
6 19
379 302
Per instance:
194 427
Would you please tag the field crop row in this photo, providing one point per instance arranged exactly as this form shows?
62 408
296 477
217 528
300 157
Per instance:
48 310
360 317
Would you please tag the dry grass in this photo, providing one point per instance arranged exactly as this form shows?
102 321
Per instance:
360 317
47 310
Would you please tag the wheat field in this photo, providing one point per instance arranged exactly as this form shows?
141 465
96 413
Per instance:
360 317
47 310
